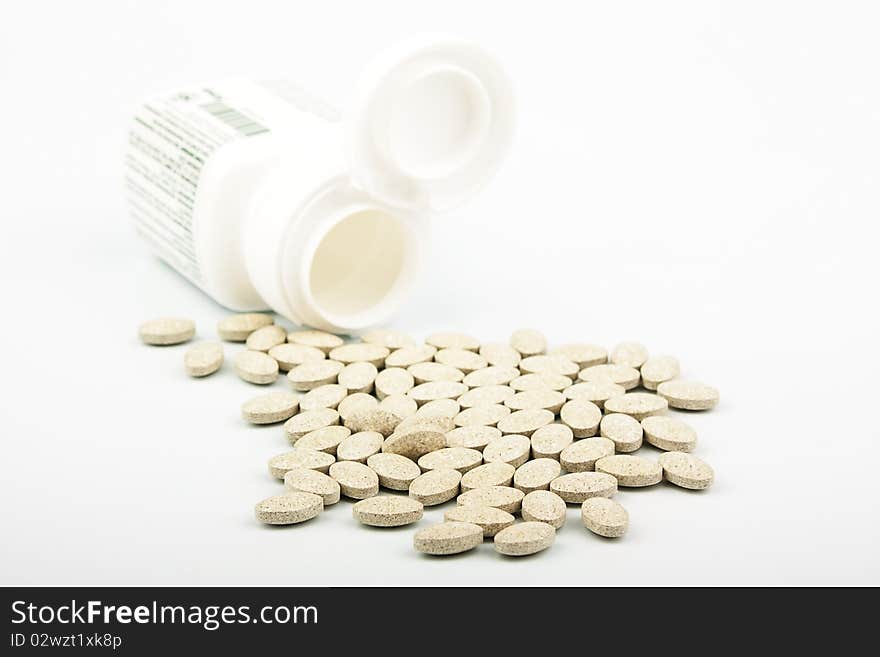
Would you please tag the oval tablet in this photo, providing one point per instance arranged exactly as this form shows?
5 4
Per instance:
393 381
435 486
659 369
550 400
536 475
557 364
624 431
375 419
256 367
306 480
496 473
528 342
389 339
540 381
637 404
439 423
394 471
604 517
447 408
272 407
582 455
325 439
512 449
355 479
388 511
355 403
407 356
544 506
326 396
497 353
576 487
266 337
318 339
490 519
203 358
669 434
689 395
525 422
524 538
629 470
300 458
360 352
358 377
550 440
494 375
461 359
360 446
167 331
288 509
314 373
628 377
501 497
429 372
448 538
686 470
597 392
453 340
299 425
290 355
583 355
475 437
582 417
486 395
629 354
437 390
487 416
400 405
451 458
236 328
414 442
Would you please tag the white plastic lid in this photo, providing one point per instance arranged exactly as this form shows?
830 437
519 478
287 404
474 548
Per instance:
431 122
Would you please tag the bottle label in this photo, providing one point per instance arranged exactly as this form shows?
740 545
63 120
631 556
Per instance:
171 139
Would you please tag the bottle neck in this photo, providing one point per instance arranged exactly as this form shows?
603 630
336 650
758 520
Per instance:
338 260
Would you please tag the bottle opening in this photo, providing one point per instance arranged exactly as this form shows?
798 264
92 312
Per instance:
361 268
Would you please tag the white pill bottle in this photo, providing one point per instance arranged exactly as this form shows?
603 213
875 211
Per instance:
267 199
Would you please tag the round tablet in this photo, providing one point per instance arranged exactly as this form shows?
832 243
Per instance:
437 390
389 339
629 354
530 399
496 473
395 471
256 367
628 377
407 356
597 392
485 395
358 377
288 509
528 342
301 424
544 506
461 359
576 487
360 446
355 479
325 396
360 352
306 480
549 365
582 417
314 373
494 375
300 458
448 538
604 517
402 406
525 422
451 458
583 355
393 381
272 407
497 353
512 449
669 434
318 339
427 372
325 439
524 538
630 470
581 456
487 416
538 381
686 470
501 497
373 419
550 440
355 403
388 511
203 358
637 404
689 395
263 339
474 437
167 331
657 370
435 486
290 355
414 442
490 519
452 340
536 475
236 328
624 431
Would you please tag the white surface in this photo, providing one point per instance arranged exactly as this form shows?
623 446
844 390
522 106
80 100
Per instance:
700 177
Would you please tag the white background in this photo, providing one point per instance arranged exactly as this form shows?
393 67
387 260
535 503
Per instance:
702 177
